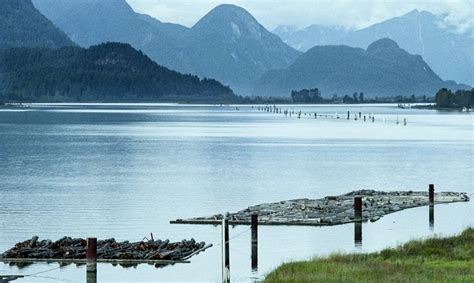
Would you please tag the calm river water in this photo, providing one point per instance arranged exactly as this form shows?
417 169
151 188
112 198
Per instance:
123 171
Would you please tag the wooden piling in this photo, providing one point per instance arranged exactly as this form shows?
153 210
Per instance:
254 241
91 254
358 208
431 194
225 251
348 115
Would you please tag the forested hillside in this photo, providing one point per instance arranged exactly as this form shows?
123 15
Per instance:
106 72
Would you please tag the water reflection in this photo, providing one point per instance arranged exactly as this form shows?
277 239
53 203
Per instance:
91 272
431 217
358 234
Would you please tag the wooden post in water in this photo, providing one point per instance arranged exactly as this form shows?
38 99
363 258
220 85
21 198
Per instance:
348 115
225 251
360 114
431 201
431 194
364 118
91 250
91 256
254 241
358 208
358 221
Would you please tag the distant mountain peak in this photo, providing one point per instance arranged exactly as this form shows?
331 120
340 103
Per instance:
384 44
230 8
227 17
417 13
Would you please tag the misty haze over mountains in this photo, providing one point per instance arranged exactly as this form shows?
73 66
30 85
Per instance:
229 45
449 53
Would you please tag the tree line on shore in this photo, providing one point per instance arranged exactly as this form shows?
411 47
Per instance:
445 98
102 73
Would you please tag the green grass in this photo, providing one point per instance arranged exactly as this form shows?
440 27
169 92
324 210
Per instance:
432 260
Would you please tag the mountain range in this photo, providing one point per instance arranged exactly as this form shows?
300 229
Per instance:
227 44
448 51
38 62
383 69
21 25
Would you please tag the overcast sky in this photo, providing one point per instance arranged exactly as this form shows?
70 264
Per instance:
301 13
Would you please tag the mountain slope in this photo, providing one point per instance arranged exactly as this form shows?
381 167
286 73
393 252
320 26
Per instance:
383 69
448 52
21 25
227 44
90 22
107 72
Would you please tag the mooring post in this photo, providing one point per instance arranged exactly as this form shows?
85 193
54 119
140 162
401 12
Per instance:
348 115
360 114
91 249
431 202
431 194
254 241
225 251
358 221
91 256
358 208
364 118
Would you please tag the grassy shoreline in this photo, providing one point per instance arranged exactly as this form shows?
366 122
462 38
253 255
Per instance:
449 259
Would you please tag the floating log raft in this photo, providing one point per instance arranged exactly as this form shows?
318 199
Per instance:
331 210
74 250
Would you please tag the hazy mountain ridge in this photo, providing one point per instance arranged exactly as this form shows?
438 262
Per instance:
383 69
448 52
22 25
106 72
227 44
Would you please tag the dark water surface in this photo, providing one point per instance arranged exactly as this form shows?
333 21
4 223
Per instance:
125 170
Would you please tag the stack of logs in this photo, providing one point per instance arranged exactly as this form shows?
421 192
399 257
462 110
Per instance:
69 248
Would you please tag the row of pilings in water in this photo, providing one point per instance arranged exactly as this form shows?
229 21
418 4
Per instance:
299 114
